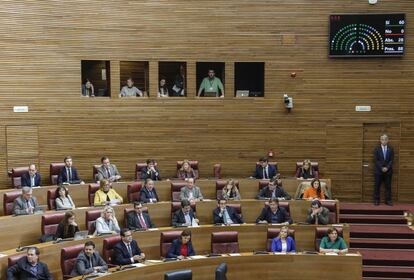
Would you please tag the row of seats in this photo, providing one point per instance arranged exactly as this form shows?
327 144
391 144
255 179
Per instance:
54 170
221 243
50 221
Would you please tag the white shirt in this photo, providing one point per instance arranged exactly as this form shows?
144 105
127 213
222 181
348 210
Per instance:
284 245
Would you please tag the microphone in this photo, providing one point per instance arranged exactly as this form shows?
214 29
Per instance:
21 248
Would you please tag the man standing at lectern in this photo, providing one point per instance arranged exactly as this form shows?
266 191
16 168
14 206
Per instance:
384 157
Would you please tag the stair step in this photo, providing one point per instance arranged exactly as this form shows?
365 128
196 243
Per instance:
372 219
402 272
370 208
382 243
383 278
381 231
386 257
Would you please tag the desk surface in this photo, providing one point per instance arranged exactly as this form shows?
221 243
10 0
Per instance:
251 237
247 265
25 230
249 188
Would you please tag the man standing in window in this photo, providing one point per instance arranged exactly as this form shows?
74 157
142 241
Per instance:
211 84
384 157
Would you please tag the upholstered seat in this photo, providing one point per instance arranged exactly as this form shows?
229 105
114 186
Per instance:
194 166
176 189
273 233
54 171
220 184
139 166
166 239
68 257
186 274
16 176
133 190
50 222
225 242
90 219
108 247
8 201
320 232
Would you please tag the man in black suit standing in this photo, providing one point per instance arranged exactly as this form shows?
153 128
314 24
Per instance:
224 214
127 250
384 157
32 178
138 219
29 267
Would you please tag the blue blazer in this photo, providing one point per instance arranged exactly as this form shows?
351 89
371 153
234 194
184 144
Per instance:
277 245
175 249
63 177
271 172
26 180
120 255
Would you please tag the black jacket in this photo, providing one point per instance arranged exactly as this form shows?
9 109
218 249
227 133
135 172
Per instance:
21 271
282 215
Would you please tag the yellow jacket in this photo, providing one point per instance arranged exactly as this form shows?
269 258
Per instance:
100 197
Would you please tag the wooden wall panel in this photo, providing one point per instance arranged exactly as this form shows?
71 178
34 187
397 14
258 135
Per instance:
42 44
22 145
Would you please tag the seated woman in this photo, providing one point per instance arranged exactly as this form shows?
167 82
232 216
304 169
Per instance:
273 214
186 171
230 191
68 227
314 191
283 243
306 171
182 247
162 89
333 243
63 200
107 223
106 195
317 214
87 89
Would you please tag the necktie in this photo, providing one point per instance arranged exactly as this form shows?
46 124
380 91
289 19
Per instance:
70 174
225 216
129 250
109 173
150 194
32 184
142 221
385 152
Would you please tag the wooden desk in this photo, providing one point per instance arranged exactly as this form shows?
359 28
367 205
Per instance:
249 188
251 237
248 266
25 230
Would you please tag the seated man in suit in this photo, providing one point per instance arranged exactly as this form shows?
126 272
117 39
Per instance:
148 194
69 174
151 171
185 216
191 192
317 214
25 204
32 178
273 190
273 214
224 214
139 220
181 247
108 171
127 250
264 170
88 261
29 267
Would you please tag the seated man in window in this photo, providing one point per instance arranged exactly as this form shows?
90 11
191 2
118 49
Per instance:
129 90
274 214
273 190
211 84
264 170
32 178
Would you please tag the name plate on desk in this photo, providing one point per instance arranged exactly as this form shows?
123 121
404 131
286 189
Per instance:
139 265
198 257
234 254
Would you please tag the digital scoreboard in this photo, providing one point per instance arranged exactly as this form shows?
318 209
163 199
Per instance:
367 35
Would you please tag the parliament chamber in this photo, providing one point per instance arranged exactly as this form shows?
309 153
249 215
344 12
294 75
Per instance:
251 92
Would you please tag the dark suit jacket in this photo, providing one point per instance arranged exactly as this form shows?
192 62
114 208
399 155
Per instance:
266 193
63 177
175 249
323 217
133 221
178 218
155 176
26 180
144 195
271 172
217 219
282 215
60 231
21 271
120 255
83 264
380 162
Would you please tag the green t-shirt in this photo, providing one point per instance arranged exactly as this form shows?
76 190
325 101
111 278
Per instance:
338 244
211 85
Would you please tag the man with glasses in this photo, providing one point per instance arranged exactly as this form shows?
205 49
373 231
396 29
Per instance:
127 250
32 178
139 220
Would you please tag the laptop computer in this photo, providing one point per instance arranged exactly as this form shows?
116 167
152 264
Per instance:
83 234
242 93
210 94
